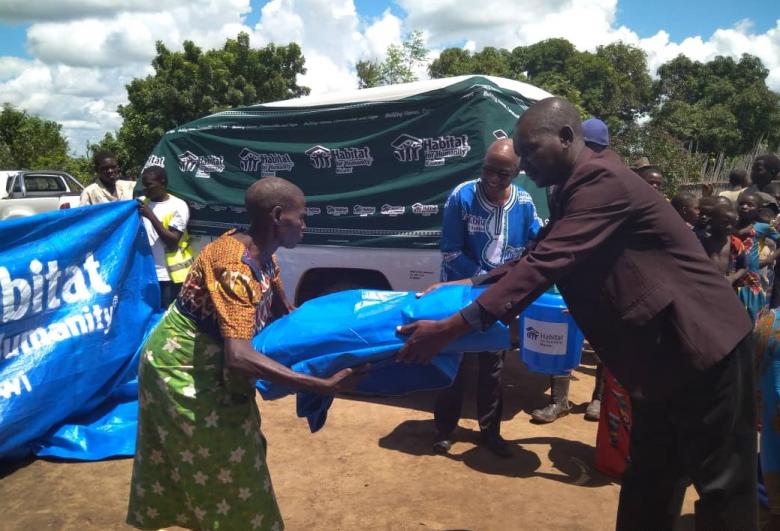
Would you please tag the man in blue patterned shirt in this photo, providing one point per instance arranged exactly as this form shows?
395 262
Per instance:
487 221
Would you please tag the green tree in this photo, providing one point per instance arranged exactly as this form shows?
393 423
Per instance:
492 62
398 66
369 74
189 84
677 163
612 84
634 86
452 62
29 142
719 106
548 56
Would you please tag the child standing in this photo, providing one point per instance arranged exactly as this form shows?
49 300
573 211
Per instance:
724 249
752 287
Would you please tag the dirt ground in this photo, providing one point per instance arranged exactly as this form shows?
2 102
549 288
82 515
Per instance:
371 468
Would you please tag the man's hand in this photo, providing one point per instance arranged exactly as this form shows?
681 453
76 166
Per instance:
428 338
145 211
345 379
437 285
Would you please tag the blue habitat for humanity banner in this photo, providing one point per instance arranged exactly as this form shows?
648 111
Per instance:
79 292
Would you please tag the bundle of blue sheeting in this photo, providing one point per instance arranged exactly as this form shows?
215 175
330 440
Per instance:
351 328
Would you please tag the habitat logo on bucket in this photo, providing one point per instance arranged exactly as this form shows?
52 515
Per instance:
546 338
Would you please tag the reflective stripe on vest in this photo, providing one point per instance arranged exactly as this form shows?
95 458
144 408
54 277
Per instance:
179 260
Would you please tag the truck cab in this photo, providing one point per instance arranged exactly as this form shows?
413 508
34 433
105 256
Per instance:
24 193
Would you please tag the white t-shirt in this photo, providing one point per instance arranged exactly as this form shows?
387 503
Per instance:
161 209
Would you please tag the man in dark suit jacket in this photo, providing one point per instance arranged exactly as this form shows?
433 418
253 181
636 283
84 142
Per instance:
656 311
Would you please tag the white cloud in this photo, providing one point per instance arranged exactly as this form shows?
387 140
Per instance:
10 67
340 40
85 51
81 65
382 33
40 10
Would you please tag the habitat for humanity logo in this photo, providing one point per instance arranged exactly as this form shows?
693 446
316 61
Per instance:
266 163
154 160
49 286
337 210
363 211
202 166
392 210
344 159
425 210
407 148
545 337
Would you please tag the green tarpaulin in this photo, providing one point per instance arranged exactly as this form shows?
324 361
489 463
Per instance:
376 165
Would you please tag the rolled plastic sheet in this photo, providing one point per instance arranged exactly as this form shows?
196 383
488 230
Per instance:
351 328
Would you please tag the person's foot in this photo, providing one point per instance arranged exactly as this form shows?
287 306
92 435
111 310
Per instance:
497 445
442 445
593 412
552 412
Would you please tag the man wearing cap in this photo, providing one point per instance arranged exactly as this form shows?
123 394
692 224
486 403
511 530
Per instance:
596 134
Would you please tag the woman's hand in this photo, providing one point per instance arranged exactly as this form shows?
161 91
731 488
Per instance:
344 380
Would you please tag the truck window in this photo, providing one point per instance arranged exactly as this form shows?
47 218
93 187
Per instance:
44 183
17 184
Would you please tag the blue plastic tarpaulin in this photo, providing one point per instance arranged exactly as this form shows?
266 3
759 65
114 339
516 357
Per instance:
350 328
79 292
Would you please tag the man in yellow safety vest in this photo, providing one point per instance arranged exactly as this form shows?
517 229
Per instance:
165 218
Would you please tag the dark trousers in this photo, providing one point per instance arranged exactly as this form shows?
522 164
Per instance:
168 293
704 433
490 404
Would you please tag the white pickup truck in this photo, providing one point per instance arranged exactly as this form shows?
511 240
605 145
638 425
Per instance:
24 193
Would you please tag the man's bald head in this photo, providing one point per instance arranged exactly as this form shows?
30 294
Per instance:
503 147
499 167
551 114
269 192
547 138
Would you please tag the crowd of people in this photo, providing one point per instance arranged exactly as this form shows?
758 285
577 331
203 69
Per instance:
671 304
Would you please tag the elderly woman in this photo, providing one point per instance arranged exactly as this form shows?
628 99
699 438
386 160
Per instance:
200 455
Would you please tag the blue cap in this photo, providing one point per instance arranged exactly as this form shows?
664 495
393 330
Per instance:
595 131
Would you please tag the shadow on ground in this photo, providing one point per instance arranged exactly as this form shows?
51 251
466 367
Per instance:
523 390
573 459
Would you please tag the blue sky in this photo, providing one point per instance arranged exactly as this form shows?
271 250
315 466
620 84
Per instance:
689 18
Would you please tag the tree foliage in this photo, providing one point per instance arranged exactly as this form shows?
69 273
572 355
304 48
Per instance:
719 106
192 83
612 83
669 154
30 142
399 65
